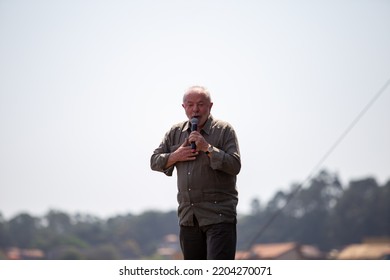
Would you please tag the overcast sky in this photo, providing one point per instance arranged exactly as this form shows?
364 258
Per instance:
89 88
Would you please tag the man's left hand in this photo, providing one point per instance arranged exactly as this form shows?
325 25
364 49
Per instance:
200 142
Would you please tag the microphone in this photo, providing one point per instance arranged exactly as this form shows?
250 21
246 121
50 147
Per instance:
194 127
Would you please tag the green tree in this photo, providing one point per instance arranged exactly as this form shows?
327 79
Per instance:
23 230
310 209
354 216
58 222
4 235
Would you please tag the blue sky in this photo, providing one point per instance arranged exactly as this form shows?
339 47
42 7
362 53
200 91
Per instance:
88 89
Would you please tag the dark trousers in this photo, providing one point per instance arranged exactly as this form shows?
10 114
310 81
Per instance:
212 242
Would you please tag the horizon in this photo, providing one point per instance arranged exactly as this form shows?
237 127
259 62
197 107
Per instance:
146 210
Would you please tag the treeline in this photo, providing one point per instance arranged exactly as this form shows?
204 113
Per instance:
324 213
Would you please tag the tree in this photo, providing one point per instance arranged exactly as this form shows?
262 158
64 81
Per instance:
353 217
58 222
255 207
310 209
23 230
301 215
4 235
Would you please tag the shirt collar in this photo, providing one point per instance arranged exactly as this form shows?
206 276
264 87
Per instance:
206 128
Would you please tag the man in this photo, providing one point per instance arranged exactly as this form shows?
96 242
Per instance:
206 177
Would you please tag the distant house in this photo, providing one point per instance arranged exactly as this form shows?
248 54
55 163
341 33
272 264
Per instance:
369 250
169 248
24 254
281 251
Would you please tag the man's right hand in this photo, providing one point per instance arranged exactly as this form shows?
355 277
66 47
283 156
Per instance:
183 153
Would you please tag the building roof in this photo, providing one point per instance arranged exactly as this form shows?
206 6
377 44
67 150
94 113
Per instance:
273 250
287 250
365 251
17 254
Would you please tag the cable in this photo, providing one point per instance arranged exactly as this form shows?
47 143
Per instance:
320 162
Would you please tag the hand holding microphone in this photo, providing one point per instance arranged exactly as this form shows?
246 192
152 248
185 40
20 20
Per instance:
197 141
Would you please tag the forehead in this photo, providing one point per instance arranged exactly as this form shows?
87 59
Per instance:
194 96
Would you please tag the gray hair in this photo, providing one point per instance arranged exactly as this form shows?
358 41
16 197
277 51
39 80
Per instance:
197 89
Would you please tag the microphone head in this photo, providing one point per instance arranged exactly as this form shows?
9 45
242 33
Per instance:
194 121
194 124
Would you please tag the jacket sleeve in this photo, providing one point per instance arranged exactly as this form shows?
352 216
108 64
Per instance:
159 158
227 158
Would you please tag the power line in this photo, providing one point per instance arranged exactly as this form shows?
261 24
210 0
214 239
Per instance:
320 162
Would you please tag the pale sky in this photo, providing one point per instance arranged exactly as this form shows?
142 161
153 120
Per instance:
89 88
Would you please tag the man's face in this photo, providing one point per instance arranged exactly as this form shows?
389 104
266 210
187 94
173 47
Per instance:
197 105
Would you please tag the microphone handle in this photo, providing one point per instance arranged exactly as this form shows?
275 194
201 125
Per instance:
194 127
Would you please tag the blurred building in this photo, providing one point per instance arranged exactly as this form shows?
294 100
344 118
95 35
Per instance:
370 249
281 251
169 248
24 254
